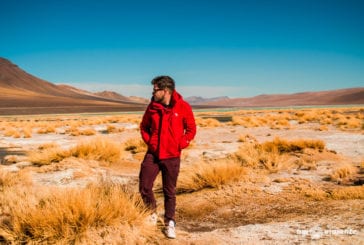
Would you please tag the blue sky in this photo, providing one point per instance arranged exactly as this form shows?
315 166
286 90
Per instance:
211 48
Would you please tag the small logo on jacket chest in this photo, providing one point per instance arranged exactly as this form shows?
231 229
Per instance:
176 114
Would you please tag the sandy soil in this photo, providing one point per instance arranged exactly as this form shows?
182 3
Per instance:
335 222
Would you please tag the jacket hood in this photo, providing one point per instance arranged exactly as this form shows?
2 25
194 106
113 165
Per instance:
175 97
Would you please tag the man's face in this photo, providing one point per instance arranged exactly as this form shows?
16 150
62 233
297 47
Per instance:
158 94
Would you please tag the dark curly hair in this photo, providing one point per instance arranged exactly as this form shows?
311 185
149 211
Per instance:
164 82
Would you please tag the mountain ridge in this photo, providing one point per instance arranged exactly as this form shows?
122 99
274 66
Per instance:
328 97
23 93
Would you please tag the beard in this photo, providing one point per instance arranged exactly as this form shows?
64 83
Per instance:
160 99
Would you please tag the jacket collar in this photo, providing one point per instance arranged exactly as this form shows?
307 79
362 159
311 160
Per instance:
175 98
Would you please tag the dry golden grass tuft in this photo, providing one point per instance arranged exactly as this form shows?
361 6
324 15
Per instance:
237 120
135 145
306 116
47 155
112 129
207 122
48 146
88 131
343 172
75 131
285 146
12 132
17 132
307 161
342 118
280 124
47 129
276 155
254 156
320 192
349 192
210 174
27 132
310 191
246 121
10 179
57 215
340 193
99 149
348 122
322 128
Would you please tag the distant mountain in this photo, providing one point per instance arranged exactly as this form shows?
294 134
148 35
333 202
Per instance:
331 97
196 100
139 99
112 95
12 78
75 90
22 93
118 97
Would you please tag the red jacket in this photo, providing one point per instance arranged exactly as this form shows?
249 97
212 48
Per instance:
167 131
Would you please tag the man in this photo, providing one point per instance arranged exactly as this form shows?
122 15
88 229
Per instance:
167 127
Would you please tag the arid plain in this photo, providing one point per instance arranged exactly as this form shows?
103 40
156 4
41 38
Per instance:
287 176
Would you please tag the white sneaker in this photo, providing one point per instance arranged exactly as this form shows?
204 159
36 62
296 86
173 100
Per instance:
170 230
152 219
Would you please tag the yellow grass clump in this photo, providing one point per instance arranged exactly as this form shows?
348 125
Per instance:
65 216
210 174
27 132
10 179
88 131
246 121
99 149
207 122
47 129
273 155
342 193
319 192
343 172
112 129
47 155
322 128
12 132
135 145
254 156
74 131
280 124
48 146
285 146
350 192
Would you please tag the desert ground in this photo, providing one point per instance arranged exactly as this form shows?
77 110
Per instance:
273 176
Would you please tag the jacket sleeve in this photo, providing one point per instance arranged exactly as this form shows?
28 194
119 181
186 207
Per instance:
145 126
189 127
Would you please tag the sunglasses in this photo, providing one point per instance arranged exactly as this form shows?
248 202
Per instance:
157 89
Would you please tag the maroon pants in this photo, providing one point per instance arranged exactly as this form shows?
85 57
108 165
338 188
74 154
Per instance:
149 170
